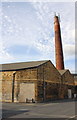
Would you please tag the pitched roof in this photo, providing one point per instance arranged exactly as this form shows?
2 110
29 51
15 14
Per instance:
62 71
21 65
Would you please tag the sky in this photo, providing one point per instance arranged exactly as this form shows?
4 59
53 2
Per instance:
27 31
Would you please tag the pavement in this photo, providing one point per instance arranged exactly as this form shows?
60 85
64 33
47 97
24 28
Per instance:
61 109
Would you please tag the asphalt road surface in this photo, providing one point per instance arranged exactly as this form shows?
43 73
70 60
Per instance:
65 109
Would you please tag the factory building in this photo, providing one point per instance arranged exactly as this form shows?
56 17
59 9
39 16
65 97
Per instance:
38 81
67 84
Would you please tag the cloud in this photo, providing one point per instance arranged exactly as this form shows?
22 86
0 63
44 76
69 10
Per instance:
38 0
4 55
33 26
69 51
33 34
44 13
71 67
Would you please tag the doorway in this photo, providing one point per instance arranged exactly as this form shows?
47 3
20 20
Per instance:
27 91
69 93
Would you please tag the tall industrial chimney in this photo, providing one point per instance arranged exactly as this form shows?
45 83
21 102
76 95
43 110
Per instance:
58 44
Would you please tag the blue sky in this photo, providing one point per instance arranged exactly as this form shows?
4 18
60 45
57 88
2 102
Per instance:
27 31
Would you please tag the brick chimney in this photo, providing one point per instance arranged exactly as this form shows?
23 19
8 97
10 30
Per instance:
58 44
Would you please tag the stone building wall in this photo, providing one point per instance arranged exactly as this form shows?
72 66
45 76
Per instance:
46 79
10 83
48 82
68 78
6 80
67 83
24 76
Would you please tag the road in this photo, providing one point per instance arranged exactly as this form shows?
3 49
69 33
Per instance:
65 109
